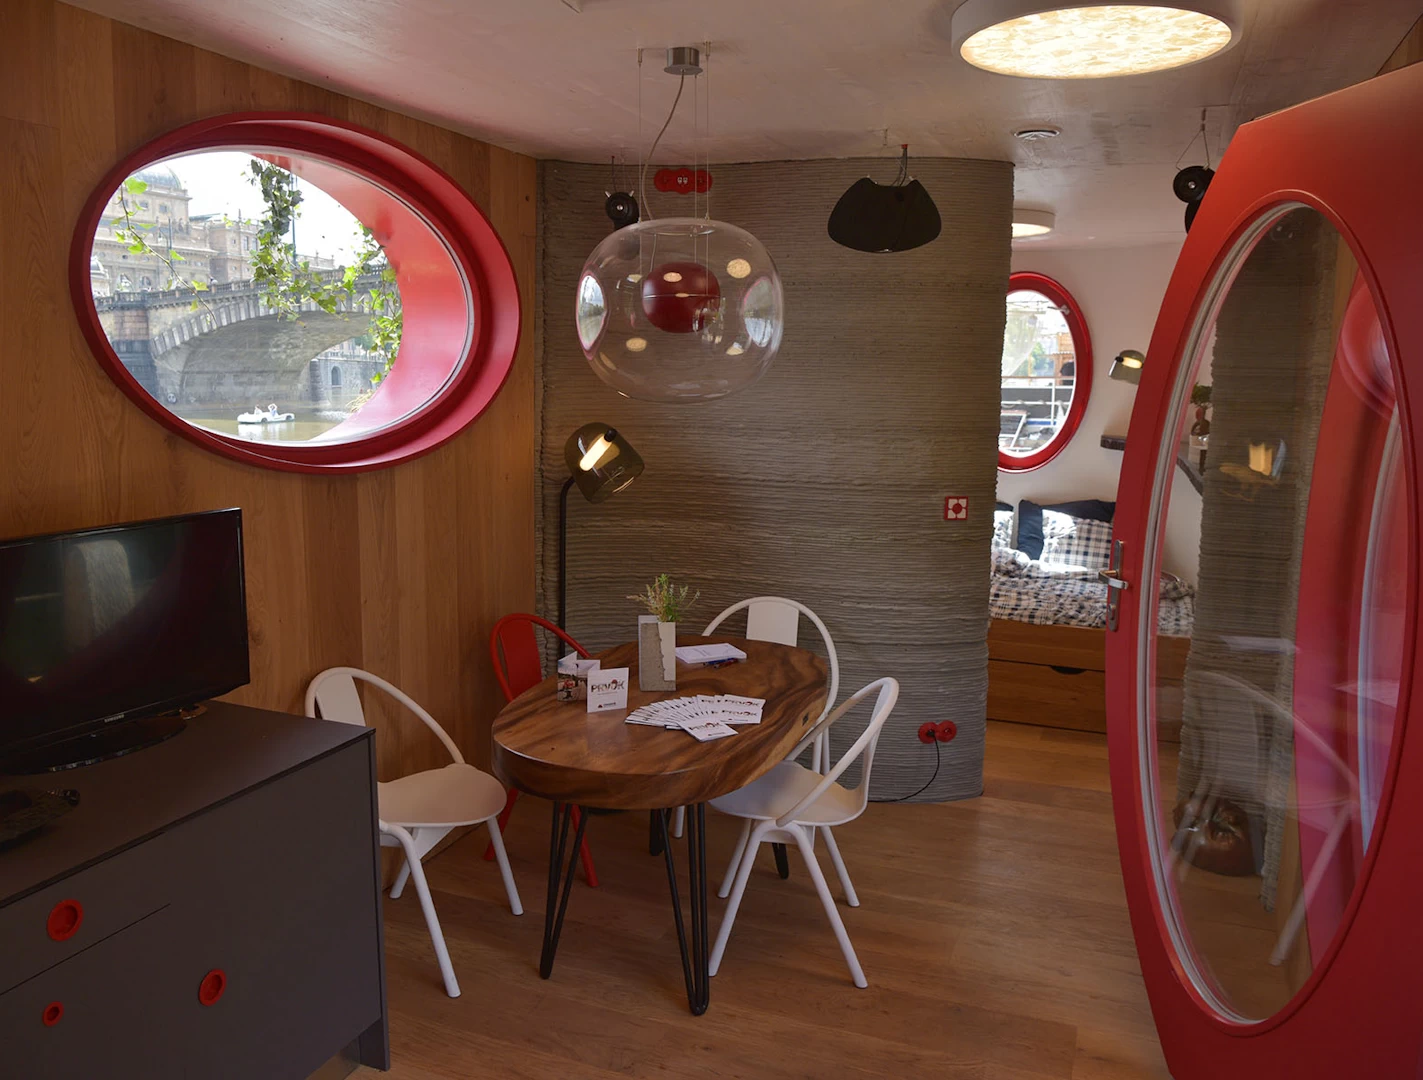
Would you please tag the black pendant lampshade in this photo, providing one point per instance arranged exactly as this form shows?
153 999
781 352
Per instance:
885 217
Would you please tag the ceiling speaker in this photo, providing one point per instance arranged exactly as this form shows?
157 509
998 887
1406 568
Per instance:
621 209
884 217
1190 186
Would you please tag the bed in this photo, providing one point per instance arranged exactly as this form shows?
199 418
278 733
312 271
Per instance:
1047 637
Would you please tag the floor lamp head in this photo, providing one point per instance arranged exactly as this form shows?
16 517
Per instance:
601 461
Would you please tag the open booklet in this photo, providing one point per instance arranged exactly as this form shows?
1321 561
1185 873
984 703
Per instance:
704 716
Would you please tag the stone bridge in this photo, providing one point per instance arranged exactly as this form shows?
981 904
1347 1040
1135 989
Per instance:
233 349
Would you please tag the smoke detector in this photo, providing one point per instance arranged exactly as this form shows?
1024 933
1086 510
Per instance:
1036 134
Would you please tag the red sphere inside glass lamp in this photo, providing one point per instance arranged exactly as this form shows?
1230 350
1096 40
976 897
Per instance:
681 297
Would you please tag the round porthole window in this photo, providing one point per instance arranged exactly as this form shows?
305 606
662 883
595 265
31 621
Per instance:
291 291
1046 372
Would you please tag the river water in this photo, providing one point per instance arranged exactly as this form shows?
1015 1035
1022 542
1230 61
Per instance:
308 424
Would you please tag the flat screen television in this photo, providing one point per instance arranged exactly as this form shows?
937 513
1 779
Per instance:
107 636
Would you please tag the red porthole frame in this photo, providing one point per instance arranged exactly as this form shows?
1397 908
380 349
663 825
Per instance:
383 177
1029 281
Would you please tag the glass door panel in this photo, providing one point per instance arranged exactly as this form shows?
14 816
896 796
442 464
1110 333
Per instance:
1272 632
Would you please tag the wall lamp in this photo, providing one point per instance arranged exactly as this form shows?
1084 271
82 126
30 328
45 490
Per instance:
1127 366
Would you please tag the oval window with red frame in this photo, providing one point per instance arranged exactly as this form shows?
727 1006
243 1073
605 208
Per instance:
1046 372
291 291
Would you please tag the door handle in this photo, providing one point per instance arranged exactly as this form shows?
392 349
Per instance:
1112 578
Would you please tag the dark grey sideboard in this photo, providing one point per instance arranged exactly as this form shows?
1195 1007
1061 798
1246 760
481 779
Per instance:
211 908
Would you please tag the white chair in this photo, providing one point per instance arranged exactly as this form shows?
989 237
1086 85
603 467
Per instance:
418 811
791 803
774 618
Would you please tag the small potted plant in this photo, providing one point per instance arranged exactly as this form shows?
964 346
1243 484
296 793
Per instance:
657 632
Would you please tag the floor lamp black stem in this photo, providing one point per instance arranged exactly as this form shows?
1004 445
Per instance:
563 553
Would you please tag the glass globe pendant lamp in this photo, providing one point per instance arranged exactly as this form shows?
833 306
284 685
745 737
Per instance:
680 310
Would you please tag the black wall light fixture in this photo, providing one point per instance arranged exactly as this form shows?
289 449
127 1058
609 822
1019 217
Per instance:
1190 183
1190 186
1127 365
885 217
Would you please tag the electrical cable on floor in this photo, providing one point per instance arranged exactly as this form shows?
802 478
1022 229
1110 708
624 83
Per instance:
938 760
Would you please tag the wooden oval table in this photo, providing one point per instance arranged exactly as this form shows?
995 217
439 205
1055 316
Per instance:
597 761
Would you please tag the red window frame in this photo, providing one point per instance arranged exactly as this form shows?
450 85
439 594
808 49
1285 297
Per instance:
449 371
1029 281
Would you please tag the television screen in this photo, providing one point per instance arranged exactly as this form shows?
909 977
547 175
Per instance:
119 622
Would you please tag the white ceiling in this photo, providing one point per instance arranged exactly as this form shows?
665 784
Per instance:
797 79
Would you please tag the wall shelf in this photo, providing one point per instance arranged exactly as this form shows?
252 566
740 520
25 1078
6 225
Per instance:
1183 460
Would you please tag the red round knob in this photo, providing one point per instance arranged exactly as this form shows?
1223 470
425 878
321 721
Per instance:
212 986
680 297
64 920
53 1013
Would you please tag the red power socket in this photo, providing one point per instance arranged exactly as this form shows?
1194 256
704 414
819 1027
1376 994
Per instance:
944 731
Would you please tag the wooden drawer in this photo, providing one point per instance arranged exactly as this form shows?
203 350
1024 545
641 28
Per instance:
1063 696
1028 643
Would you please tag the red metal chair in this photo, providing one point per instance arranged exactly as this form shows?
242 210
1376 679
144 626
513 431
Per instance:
518 666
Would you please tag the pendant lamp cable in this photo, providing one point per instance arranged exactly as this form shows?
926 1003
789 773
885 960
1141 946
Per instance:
706 162
696 137
639 123
642 180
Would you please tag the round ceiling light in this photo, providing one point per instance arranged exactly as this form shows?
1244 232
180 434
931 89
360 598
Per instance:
1030 223
1038 40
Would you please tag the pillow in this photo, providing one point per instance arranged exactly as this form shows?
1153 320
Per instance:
1073 541
1030 520
1173 588
1009 562
1003 528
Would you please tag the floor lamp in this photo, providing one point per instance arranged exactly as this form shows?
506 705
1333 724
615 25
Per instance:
601 462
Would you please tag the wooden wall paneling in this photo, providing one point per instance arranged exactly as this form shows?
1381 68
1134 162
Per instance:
222 85
85 72
400 571
155 84
42 459
335 567
1409 51
380 612
28 90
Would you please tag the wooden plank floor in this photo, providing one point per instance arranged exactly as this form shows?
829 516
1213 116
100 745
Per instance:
993 932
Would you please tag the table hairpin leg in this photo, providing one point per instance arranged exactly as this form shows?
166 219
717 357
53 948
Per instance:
783 864
694 966
556 905
655 844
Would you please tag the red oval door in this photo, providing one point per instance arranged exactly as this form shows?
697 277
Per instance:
1269 805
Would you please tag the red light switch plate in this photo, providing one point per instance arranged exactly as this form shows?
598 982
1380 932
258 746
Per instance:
956 508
